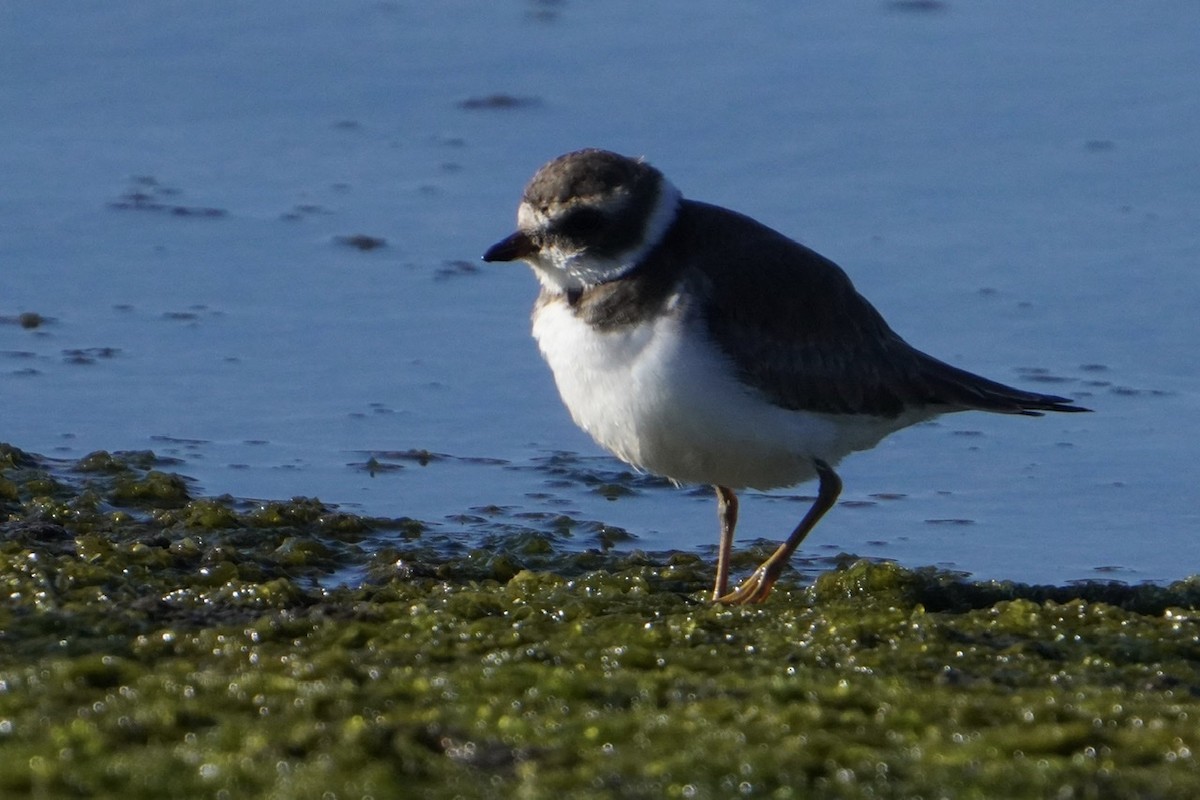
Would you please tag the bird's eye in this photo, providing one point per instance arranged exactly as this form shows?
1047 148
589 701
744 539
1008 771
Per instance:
582 222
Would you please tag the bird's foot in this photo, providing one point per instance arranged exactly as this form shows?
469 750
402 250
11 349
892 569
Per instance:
754 589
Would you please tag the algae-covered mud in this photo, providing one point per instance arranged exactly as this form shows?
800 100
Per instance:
158 644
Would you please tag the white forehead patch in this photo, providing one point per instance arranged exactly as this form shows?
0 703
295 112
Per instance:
529 218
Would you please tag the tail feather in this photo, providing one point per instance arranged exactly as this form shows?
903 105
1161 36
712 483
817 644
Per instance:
969 391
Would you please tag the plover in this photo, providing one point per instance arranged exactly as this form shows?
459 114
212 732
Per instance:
695 343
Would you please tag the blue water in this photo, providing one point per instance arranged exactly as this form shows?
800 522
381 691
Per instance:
1013 185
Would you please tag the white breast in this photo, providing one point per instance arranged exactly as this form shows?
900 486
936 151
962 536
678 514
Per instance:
663 398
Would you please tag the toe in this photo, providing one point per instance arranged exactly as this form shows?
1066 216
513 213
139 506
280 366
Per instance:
754 589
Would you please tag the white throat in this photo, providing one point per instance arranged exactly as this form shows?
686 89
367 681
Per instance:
561 271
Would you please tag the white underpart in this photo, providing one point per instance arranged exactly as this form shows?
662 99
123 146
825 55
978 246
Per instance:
560 270
661 397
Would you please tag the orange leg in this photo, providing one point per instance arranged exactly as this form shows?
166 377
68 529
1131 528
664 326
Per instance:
727 514
757 587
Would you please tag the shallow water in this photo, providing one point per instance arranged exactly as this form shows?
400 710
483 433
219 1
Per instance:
1013 186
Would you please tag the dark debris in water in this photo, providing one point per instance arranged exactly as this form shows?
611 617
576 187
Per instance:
918 6
455 269
362 241
304 210
192 313
499 101
147 194
372 466
155 642
416 455
89 355
1130 391
29 320
383 461
1041 375
600 474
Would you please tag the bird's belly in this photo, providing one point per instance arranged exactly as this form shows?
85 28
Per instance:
663 398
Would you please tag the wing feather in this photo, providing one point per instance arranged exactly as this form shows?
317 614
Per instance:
793 324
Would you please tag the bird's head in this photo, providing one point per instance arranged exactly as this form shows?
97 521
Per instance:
589 217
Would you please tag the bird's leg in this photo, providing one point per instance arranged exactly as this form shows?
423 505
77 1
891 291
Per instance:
756 588
727 513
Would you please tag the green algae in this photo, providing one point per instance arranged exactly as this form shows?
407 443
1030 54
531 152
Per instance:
157 644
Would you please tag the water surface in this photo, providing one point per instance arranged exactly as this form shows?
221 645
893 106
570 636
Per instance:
1013 186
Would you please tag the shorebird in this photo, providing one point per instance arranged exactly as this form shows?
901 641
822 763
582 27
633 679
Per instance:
695 343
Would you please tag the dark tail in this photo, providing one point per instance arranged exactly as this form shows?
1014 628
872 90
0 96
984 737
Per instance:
969 391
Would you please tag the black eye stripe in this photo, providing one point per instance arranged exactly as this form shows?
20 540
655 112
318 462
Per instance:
581 222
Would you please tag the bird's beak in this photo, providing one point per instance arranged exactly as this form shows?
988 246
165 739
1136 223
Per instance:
514 247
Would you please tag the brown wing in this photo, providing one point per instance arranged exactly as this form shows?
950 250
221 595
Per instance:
795 327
